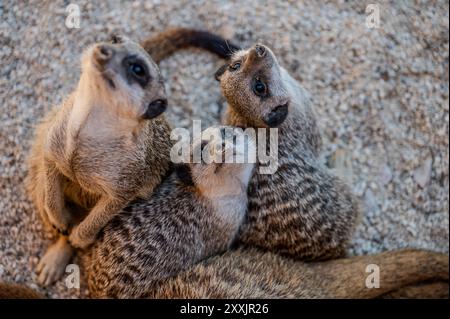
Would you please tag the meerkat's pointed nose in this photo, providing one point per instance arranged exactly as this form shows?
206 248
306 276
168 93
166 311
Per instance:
277 116
155 108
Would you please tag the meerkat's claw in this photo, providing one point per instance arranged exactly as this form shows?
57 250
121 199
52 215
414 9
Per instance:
58 227
61 226
63 232
78 241
52 266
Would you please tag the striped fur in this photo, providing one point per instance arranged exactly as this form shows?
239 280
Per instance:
179 226
250 273
302 210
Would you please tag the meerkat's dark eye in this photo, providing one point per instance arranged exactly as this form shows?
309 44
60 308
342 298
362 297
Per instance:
235 66
259 88
137 69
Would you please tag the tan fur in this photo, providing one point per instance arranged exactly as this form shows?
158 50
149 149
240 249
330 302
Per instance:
97 152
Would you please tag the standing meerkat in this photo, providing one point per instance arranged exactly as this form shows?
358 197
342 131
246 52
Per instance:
83 149
105 146
194 214
301 210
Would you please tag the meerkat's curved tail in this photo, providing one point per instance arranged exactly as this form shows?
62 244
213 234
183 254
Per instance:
402 273
248 273
18 291
163 44
408 273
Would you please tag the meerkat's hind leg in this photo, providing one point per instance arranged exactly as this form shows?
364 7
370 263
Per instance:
53 264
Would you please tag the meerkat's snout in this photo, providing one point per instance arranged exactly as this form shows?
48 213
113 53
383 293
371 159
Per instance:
279 112
266 86
263 98
155 109
277 115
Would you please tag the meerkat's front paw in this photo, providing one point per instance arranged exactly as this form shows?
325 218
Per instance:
79 241
52 266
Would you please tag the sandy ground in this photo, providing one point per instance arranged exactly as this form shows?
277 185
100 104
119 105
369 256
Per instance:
382 97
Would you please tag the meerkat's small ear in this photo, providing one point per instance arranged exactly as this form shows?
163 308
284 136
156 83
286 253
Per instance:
184 174
220 71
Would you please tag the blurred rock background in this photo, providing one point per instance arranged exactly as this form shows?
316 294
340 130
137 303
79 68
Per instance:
381 96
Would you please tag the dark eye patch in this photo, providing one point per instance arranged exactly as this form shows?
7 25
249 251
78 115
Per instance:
136 70
260 87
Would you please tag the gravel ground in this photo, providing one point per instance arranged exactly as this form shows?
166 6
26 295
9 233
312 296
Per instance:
382 99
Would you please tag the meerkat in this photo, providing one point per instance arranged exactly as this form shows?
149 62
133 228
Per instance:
302 210
251 273
194 214
107 94
105 146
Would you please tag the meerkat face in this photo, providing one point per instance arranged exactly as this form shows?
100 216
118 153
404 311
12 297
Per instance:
253 85
126 76
227 160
